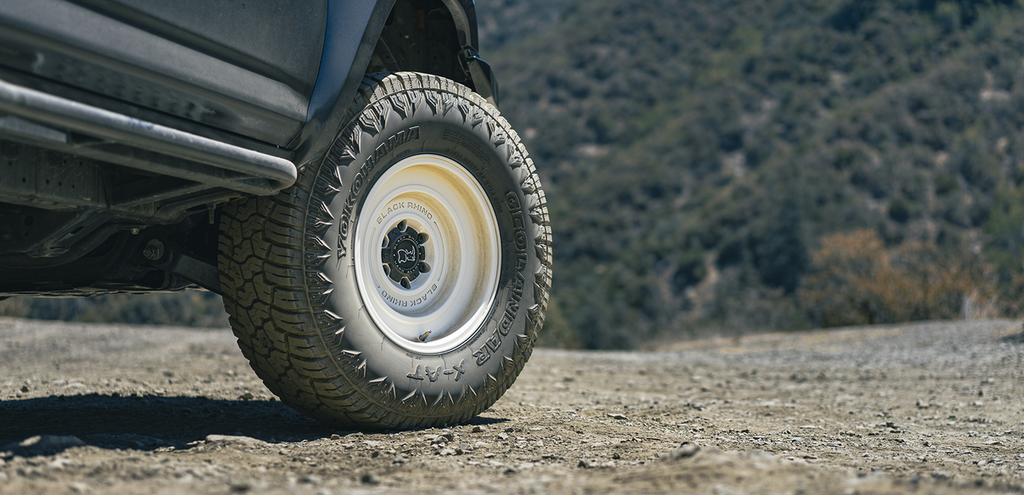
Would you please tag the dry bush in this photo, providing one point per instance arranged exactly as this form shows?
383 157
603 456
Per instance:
855 280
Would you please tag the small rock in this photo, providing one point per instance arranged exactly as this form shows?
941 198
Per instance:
478 429
584 464
922 404
687 449
617 416
246 396
24 388
79 487
369 478
58 463
335 436
940 475
235 439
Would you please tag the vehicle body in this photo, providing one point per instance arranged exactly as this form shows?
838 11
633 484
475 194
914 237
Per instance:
136 134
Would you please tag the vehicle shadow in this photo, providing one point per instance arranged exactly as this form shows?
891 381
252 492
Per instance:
153 422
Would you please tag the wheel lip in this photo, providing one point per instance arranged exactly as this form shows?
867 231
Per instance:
472 300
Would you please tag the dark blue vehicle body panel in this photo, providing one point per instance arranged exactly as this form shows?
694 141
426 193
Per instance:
121 117
353 28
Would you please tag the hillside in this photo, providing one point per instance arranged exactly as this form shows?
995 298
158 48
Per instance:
701 156
751 164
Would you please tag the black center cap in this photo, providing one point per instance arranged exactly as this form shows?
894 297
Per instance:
406 255
402 254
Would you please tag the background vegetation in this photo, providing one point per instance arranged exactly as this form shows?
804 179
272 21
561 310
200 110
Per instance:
770 163
189 308
759 164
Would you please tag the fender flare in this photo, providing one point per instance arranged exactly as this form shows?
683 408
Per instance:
353 28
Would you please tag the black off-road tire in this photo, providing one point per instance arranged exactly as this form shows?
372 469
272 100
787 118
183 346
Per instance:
401 282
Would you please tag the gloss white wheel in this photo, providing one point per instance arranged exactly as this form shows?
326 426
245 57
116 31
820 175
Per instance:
427 253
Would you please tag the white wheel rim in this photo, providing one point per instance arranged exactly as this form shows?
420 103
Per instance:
438 309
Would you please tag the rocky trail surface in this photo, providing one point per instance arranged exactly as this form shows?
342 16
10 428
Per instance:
929 408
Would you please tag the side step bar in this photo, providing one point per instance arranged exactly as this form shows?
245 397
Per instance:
140 144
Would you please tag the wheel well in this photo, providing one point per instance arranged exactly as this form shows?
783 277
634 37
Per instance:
421 36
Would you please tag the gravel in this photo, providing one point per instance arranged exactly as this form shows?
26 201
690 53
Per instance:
933 407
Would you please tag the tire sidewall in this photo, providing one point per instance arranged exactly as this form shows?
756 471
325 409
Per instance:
486 361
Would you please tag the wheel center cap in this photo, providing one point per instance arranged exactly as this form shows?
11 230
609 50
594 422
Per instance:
406 255
402 254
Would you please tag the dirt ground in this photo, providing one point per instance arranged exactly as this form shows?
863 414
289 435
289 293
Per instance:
930 408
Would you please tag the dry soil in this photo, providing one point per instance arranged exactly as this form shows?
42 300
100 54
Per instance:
929 408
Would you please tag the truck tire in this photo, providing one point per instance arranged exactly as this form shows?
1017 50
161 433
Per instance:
402 280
